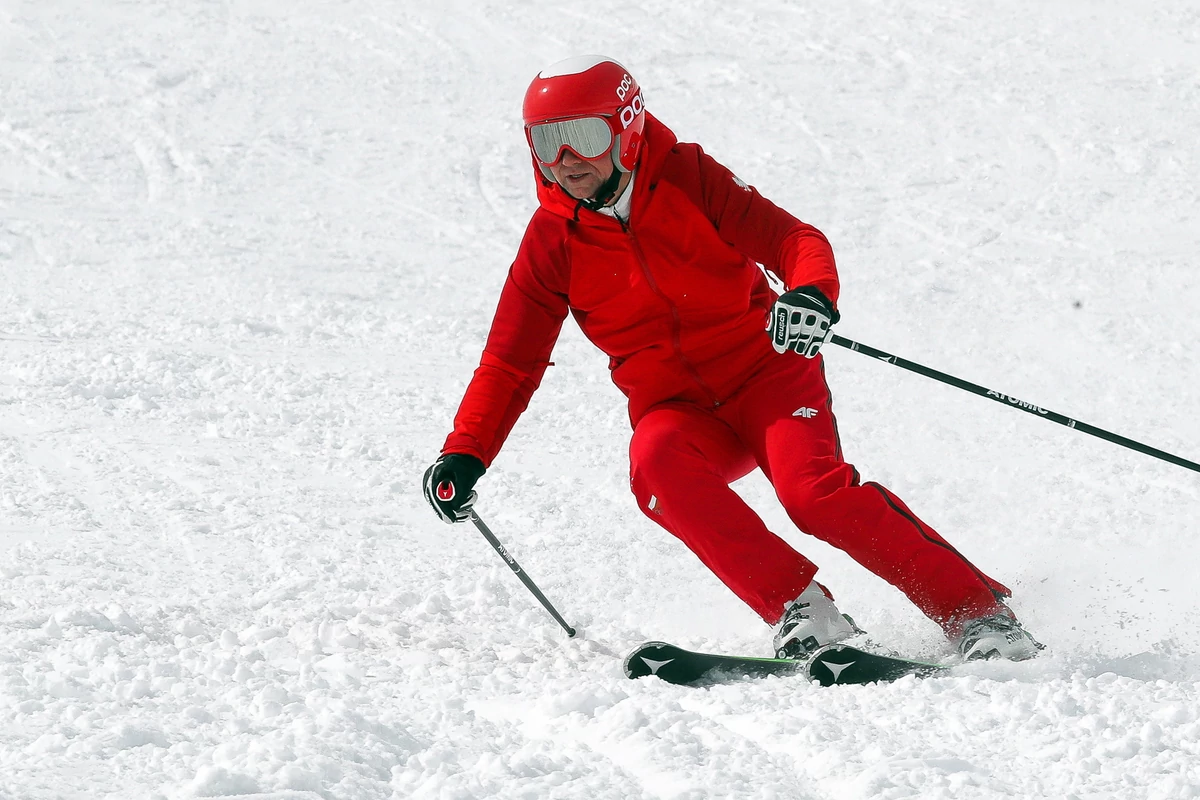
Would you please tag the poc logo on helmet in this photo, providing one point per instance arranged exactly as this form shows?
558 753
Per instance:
623 89
629 113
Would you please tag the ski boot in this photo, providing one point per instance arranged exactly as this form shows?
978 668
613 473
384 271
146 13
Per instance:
997 636
809 622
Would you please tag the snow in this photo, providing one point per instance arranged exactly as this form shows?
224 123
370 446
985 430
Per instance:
248 256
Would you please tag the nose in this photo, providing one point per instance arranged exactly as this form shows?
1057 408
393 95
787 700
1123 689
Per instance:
569 159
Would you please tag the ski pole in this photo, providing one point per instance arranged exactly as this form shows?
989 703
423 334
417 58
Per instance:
1013 402
520 573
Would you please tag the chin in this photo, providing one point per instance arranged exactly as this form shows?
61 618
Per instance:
579 194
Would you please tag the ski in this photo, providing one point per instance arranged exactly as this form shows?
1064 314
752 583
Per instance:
833 664
842 664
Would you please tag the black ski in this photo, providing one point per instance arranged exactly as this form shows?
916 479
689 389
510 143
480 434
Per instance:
829 665
842 664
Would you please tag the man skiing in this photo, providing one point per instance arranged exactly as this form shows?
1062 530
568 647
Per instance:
654 248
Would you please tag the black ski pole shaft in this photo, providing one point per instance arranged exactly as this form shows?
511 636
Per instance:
1013 402
520 573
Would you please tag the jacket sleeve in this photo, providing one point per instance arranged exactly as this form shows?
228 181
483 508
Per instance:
529 316
795 251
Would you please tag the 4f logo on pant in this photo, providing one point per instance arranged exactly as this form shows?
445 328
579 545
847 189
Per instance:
807 413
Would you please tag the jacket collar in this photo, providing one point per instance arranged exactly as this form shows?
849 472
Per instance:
659 141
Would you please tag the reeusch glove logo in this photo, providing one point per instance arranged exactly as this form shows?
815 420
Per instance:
445 491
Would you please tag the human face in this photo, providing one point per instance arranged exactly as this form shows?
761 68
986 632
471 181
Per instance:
582 177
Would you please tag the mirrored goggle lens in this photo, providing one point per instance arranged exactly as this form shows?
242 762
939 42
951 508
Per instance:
589 137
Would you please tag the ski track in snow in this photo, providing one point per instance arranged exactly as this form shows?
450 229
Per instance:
248 256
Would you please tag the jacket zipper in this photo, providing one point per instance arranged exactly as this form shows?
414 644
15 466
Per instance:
676 321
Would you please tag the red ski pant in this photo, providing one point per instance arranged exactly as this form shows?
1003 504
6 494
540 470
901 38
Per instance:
683 458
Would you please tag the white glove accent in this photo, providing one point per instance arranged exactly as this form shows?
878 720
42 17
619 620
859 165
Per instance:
800 321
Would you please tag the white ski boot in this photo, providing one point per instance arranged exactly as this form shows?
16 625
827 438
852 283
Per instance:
997 636
811 621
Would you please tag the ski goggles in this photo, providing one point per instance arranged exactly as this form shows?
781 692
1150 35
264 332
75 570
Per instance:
586 137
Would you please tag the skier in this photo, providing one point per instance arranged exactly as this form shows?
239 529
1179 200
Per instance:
653 247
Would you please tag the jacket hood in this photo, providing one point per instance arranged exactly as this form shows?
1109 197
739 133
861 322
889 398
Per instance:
658 143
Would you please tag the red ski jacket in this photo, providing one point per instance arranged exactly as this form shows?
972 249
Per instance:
674 297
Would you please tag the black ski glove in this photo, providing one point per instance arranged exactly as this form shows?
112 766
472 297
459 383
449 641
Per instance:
449 485
800 321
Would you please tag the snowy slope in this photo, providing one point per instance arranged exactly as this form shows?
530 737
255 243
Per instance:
248 256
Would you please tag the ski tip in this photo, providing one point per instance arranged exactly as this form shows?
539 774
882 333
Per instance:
635 665
847 664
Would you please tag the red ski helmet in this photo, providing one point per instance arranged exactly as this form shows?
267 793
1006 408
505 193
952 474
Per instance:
589 105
